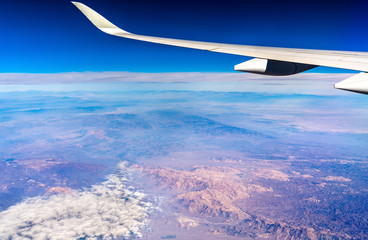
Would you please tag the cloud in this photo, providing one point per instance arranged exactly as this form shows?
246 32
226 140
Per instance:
337 179
114 77
305 83
109 210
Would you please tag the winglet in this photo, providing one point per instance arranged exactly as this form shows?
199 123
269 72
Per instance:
99 21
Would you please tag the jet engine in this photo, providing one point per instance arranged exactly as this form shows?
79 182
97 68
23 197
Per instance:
272 67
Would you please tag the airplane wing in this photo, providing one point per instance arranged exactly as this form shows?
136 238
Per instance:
267 60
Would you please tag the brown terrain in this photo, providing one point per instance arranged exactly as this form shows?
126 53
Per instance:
223 199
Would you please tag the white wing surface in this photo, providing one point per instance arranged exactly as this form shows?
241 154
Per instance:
269 60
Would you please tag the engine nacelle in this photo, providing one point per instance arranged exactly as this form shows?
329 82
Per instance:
272 67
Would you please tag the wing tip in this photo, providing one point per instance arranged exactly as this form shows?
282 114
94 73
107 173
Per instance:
77 4
98 20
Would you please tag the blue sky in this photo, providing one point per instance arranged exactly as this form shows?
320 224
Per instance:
53 36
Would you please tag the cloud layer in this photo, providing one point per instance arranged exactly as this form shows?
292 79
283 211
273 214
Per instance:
113 77
109 210
305 83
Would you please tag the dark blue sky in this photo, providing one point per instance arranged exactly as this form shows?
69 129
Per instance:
53 36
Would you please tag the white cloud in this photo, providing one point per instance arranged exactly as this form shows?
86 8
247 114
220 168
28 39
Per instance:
337 179
113 77
305 83
109 210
